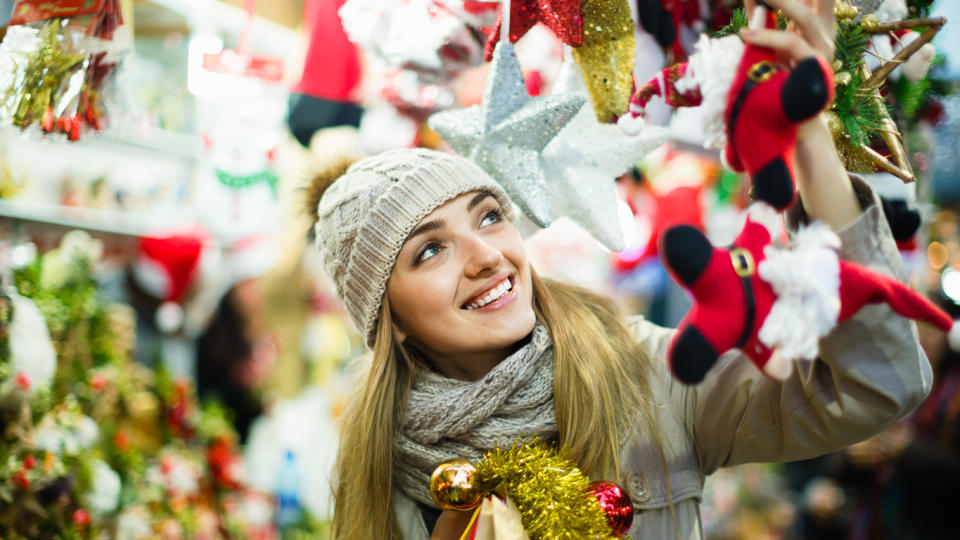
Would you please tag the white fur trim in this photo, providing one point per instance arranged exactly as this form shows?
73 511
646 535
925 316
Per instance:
953 337
892 10
806 280
630 124
712 69
916 67
778 367
762 213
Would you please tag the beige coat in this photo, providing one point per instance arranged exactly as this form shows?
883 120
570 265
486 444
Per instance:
871 372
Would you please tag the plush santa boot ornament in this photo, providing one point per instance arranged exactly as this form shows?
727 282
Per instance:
774 304
752 106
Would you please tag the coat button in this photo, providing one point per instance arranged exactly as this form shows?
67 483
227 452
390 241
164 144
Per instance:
639 491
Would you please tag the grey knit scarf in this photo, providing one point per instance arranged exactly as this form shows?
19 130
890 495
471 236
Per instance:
449 419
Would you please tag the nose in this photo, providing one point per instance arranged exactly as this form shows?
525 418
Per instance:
481 258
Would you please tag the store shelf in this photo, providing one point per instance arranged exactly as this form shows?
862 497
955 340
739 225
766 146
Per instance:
267 36
104 221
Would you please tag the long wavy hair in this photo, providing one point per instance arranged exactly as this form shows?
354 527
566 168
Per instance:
600 373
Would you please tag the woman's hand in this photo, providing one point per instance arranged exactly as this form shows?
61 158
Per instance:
822 181
450 525
812 30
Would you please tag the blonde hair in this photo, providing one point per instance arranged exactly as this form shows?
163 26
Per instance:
601 389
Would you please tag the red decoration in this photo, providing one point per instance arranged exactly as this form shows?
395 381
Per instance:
563 17
21 480
683 13
332 64
81 517
731 301
616 504
766 103
22 380
29 462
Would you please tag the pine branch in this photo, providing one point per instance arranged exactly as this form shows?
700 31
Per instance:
738 21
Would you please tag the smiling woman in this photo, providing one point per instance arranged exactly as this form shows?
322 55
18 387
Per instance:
473 264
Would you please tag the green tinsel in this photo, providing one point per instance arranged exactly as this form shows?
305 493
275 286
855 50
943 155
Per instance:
549 490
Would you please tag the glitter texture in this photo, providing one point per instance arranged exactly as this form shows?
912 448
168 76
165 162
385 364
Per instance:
606 56
582 162
563 17
506 133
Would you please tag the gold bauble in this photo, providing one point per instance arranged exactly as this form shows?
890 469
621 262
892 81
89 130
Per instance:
844 11
837 65
870 22
451 487
844 77
606 56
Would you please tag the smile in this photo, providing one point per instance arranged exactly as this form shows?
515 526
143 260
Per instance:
500 291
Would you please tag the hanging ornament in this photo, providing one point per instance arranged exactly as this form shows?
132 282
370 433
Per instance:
45 76
616 505
563 17
450 486
582 162
506 133
417 35
606 56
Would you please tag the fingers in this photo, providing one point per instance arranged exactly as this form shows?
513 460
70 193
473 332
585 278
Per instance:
787 44
814 19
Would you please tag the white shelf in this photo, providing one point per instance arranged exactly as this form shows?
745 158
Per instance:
104 221
267 36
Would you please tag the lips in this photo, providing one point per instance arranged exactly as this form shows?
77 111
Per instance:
492 291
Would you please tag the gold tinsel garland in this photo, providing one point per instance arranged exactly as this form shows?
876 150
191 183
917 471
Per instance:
549 490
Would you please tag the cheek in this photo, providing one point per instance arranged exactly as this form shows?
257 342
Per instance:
418 300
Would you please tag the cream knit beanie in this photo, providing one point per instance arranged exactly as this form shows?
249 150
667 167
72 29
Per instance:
365 216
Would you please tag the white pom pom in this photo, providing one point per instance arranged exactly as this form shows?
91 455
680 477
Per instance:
916 67
630 124
953 337
169 317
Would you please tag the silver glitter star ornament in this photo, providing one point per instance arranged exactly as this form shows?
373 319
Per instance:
583 161
506 133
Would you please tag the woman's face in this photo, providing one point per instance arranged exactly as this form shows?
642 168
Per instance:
461 285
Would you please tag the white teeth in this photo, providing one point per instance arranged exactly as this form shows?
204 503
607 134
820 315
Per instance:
495 294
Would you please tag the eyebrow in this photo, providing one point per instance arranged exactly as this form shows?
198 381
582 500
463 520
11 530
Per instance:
425 228
439 223
477 199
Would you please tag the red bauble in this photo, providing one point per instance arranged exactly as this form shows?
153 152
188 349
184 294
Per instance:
616 504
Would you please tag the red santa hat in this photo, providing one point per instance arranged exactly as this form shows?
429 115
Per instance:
165 268
703 81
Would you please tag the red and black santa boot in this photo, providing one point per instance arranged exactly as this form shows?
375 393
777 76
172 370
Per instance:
772 303
764 106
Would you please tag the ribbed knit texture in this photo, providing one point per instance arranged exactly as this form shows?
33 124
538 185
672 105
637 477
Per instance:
450 419
365 216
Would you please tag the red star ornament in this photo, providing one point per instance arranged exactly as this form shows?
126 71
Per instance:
563 17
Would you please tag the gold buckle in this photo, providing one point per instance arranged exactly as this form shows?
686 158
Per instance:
743 263
761 71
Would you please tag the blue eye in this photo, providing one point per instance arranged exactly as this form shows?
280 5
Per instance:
491 217
428 251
